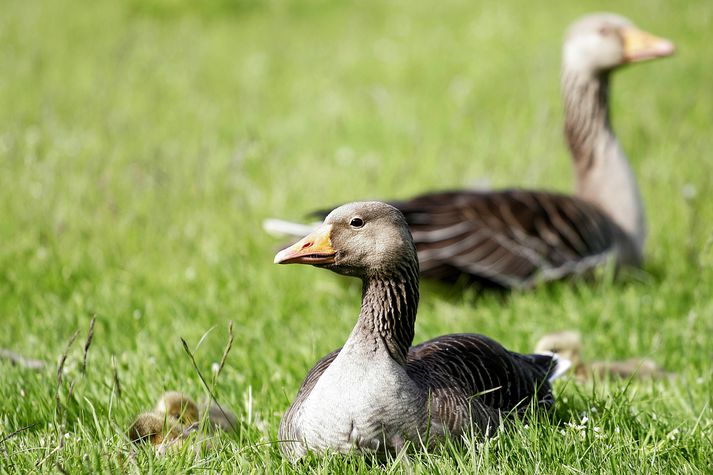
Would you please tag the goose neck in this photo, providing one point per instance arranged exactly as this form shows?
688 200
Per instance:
388 312
587 125
603 174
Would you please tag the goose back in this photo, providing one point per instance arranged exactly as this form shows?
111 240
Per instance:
511 238
473 379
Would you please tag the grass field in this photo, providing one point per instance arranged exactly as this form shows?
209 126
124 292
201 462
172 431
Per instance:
142 142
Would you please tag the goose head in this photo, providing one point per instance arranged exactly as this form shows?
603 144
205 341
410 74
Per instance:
358 239
601 42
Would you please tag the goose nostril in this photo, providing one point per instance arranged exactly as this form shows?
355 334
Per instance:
306 245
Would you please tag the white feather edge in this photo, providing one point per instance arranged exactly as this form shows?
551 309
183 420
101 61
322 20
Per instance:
562 365
279 227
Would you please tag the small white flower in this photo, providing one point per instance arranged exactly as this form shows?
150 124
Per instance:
616 430
67 436
653 416
527 426
563 432
41 253
689 191
345 155
584 420
215 367
594 410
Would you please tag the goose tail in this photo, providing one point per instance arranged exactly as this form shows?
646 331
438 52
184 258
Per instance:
279 227
558 366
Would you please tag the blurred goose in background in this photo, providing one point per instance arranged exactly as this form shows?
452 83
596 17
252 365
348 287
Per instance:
568 345
517 238
377 393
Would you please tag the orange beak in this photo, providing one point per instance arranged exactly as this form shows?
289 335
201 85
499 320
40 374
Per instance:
641 46
315 248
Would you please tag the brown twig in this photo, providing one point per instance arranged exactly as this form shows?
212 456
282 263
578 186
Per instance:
60 444
205 384
14 433
115 371
20 360
228 347
60 369
88 343
71 390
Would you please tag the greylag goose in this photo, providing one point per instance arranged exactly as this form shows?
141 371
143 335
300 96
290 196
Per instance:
377 392
516 238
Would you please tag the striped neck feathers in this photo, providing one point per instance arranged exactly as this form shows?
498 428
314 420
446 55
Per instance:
586 103
602 171
388 310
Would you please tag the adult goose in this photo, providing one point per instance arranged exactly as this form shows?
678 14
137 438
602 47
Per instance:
377 392
515 238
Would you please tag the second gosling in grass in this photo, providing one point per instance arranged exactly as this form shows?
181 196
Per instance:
568 344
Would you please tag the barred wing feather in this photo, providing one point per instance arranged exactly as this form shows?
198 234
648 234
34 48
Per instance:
510 238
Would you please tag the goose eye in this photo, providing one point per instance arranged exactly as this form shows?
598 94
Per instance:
606 30
356 222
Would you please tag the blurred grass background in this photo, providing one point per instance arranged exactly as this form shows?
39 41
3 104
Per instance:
142 142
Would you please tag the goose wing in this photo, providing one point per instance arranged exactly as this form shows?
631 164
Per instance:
510 238
472 377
